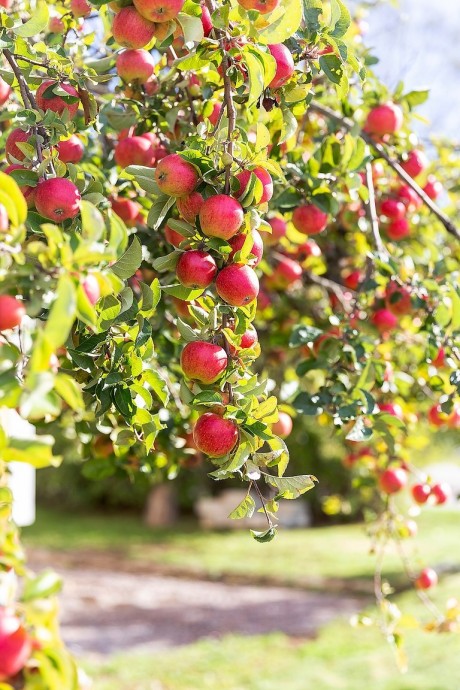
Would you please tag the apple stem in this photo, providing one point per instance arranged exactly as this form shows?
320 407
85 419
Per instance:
349 125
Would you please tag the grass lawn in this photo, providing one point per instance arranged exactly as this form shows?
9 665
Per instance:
341 658
298 556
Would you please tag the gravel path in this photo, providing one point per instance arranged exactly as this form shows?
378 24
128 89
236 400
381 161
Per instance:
105 611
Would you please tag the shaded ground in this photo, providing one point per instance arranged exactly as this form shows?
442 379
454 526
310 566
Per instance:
105 611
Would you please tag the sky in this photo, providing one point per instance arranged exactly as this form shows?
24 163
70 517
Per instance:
419 42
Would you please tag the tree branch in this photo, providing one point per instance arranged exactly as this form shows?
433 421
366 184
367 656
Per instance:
372 212
348 124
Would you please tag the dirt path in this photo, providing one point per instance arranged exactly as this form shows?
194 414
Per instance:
104 611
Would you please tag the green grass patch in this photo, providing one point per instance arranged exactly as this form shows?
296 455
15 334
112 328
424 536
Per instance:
341 658
298 556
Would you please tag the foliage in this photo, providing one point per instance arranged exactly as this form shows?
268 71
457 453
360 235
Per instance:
280 110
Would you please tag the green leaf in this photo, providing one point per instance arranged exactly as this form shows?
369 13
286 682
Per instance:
36 452
36 23
244 510
44 585
284 24
291 487
307 404
168 262
69 390
301 335
158 384
144 177
192 27
340 19
312 9
263 537
359 432
256 76
62 313
92 222
187 333
181 292
159 210
129 262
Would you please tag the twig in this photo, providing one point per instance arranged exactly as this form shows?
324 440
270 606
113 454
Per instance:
29 102
231 114
338 290
372 211
349 125
262 500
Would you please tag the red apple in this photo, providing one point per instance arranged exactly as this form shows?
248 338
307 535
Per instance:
398 229
286 272
176 176
56 25
12 312
309 219
440 359
221 216
353 279
262 6
159 11
214 435
384 320
410 199
257 248
392 208
206 19
415 163
307 249
196 269
204 362
126 209
332 334
421 493
433 188
16 136
441 492
71 150
48 101
393 480
284 65
279 228
237 284
5 91
214 115
427 578
267 183
151 87
398 299
131 30
80 8
134 151
57 199
437 417
135 65
386 118
283 426
91 288
173 236
189 206
392 408
15 645
248 339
